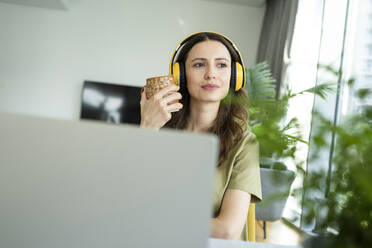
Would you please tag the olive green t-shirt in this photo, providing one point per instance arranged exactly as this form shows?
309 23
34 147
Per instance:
239 171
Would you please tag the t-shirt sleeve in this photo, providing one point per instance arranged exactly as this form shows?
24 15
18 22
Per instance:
246 170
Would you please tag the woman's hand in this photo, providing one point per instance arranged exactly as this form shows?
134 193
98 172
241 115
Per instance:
156 111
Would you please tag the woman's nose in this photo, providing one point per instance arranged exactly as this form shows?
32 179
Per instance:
210 73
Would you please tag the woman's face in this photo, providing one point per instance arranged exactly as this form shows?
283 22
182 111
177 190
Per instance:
208 71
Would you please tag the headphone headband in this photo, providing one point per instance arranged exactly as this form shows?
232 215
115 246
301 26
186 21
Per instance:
191 36
238 77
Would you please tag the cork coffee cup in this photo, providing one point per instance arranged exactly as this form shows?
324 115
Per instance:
155 84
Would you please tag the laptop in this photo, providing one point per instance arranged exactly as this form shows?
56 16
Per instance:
84 184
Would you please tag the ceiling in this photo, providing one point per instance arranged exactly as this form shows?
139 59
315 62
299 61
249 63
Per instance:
252 3
61 5
48 4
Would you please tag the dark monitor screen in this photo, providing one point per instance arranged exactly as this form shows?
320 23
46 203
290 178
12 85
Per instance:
111 102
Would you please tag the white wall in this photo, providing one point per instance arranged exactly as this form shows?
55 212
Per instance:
45 55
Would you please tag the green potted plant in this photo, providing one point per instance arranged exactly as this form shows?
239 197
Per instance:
344 215
278 139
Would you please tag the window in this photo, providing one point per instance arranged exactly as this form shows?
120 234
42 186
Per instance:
320 38
368 66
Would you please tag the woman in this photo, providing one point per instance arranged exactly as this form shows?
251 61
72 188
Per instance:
208 63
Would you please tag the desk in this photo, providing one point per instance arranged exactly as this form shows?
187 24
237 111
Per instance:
223 243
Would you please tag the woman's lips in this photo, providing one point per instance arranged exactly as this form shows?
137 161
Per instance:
210 86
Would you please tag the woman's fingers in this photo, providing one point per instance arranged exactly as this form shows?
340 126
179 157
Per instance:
156 111
169 96
165 91
174 107
173 96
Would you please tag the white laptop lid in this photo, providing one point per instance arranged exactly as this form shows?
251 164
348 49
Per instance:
84 184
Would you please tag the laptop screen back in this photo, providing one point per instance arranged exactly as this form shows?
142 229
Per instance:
83 184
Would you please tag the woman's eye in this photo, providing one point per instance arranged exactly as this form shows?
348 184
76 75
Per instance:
198 65
222 65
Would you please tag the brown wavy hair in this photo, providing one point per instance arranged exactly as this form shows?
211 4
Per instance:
232 116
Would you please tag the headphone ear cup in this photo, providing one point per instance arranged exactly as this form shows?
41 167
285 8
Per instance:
237 76
233 76
240 77
176 72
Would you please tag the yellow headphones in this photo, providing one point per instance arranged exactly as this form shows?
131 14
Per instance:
177 69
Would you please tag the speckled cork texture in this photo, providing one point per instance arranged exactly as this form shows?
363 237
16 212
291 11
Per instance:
155 84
